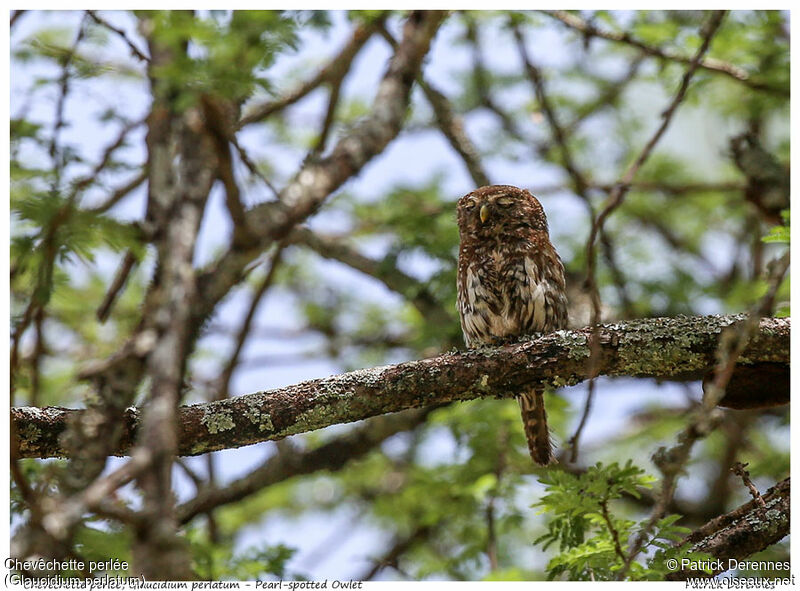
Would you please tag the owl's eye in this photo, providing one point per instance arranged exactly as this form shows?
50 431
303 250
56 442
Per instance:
469 204
505 201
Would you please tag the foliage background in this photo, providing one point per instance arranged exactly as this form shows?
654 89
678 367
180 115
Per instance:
451 498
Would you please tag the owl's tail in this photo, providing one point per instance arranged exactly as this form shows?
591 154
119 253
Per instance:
534 422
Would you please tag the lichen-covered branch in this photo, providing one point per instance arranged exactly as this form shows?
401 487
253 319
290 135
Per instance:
744 531
665 348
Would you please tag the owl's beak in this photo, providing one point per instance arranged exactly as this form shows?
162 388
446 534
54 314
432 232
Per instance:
484 213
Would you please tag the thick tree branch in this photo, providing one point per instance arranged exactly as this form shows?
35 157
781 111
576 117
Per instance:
744 531
666 348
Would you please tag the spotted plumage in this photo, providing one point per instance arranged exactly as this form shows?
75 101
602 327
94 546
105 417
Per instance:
510 283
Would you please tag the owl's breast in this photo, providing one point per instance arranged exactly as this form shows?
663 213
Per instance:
488 296
507 293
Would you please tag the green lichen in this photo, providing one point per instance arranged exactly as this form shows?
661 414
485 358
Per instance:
217 421
577 345
197 449
256 416
318 416
774 515
667 345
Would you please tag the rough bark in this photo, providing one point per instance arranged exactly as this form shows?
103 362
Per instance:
183 165
664 348
744 531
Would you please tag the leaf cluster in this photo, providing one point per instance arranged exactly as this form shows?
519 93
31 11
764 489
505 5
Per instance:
593 540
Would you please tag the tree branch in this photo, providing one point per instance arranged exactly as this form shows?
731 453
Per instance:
318 178
135 51
744 531
332 73
449 123
666 348
409 287
332 456
712 65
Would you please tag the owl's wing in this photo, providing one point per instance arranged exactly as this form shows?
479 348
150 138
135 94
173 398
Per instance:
478 303
542 304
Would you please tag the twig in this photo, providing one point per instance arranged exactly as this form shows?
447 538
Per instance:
713 65
449 123
587 409
399 546
334 70
15 14
58 120
23 486
120 279
739 469
735 431
80 184
499 470
392 277
481 78
196 479
327 122
245 158
608 97
617 276
559 136
678 189
674 241
337 537
617 195
119 194
452 127
612 530
223 389
104 23
36 358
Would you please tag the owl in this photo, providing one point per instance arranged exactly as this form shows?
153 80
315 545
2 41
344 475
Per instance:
510 283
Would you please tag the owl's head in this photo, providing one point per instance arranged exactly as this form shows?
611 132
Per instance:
499 210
